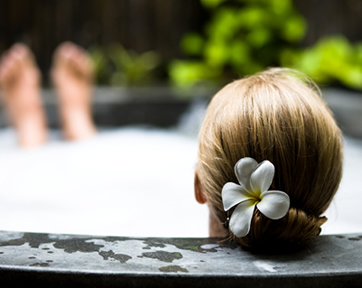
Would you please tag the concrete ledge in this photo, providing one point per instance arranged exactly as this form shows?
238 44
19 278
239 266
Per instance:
112 107
48 260
163 106
155 106
347 108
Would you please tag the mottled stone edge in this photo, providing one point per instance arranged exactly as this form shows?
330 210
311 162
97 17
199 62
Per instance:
72 276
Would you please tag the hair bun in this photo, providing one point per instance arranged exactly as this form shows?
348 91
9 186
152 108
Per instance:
293 231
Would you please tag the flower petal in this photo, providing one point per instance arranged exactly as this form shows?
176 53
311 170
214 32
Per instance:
274 204
243 170
262 177
232 194
241 218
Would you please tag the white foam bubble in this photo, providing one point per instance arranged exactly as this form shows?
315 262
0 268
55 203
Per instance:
128 182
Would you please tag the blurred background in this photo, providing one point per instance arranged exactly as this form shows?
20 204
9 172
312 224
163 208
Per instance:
192 42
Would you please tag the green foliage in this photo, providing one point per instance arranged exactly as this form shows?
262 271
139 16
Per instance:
242 37
116 66
211 3
186 72
246 36
331 59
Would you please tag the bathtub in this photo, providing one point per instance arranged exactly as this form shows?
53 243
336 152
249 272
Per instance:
130 181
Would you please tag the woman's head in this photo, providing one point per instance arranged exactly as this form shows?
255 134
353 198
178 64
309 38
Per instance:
278 116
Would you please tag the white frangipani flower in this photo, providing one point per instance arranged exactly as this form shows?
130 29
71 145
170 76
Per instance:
254 179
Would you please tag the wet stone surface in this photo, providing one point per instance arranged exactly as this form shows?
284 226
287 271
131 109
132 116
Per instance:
190 258
162 255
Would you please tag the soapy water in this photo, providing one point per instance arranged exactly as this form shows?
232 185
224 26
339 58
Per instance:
124 182
129 181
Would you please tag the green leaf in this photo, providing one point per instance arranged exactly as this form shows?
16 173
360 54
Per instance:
216 53
188 73
352 77
192 44
223 25
358 53
239 53
211 3
294 29
259 37
280 7
252 17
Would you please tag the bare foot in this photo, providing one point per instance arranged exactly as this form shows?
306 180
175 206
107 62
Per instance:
72 75
20 85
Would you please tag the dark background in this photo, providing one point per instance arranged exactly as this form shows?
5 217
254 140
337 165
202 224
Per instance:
144 25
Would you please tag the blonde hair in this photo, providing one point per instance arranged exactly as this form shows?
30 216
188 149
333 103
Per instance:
276 115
